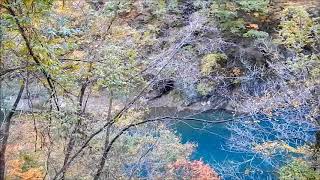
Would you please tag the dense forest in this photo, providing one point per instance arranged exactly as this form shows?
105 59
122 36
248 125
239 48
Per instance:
100 89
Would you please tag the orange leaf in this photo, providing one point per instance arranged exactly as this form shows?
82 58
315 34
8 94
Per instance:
253 26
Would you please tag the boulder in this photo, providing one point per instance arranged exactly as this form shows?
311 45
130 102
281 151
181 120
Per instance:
160 88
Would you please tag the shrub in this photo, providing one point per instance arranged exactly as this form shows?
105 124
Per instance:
298 169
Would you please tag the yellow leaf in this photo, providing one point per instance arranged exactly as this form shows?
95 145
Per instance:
28 3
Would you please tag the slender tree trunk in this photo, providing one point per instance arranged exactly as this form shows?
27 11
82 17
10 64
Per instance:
4 132
316 152
104 156
1 73
106 143
81 110
2 160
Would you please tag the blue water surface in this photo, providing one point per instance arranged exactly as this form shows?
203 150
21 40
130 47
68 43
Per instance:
211 140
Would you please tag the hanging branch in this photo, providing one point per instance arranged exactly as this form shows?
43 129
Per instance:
33 55
171 53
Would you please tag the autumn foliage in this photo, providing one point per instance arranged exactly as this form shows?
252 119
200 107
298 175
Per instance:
16 170
193 170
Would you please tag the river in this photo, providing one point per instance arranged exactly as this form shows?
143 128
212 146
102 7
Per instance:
212 147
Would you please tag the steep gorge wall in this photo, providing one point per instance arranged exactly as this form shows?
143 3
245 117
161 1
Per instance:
309 3
277 5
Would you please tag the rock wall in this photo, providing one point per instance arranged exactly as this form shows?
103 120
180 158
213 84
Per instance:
277 5
308 3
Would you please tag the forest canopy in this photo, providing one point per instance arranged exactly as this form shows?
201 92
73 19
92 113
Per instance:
92 89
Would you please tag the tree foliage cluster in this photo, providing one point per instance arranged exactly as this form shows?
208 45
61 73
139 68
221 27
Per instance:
82 74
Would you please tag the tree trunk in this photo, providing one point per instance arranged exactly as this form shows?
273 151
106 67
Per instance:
4 132
104 156
106 143
316 153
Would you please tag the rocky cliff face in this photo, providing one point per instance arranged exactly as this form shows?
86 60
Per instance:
312 5
186 39
307 3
